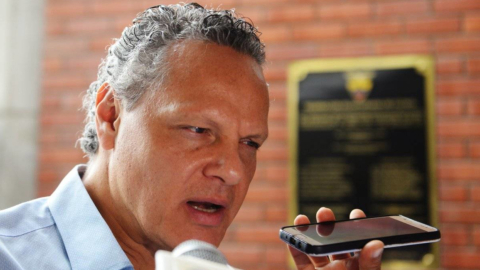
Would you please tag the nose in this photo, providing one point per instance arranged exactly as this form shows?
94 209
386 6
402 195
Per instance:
226 164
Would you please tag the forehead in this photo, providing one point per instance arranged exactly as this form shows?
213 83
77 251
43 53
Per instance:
211 75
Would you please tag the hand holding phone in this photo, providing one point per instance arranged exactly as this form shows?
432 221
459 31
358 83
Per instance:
368 258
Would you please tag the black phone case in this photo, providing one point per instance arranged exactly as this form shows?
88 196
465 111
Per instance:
389 241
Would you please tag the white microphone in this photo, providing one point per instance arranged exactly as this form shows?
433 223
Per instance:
192 255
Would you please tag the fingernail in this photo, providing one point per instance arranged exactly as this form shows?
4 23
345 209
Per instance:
377 253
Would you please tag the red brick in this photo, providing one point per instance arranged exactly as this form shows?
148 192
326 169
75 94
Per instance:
351 11
460 44
260 173
68 102
277 174
276 254
74 118
277 113
271 34
104 8
472 23
277 213
476 236
459 171
403 46
64 83
449 66
456 5
62 155
459 128
466 259
292 51
250 212
319 31
453 193
475 193
463 215
279 133
473 65
49 176
51 64
350 49
100 44
290 13
273 153
267 193
430 26
60 136
402 7
268 3
59 46
252 13
89 62
221 4
89 26
458 87
474 149
240 253
46 189
473 107
275 72
449 107
455 149
266 233
54 28
67 9
380 28
277 91
455 236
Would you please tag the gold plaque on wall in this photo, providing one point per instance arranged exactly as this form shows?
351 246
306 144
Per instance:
362 136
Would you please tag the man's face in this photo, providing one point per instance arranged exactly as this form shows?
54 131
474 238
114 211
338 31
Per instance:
184 157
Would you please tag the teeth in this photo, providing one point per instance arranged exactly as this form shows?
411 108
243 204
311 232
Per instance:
210 210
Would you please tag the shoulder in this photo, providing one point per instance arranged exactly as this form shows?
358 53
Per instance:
29 238
25 218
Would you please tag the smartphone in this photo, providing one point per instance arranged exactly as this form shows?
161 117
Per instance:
336 237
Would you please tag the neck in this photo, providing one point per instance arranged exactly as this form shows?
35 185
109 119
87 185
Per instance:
122 224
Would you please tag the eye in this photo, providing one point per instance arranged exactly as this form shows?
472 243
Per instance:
198 130
252 144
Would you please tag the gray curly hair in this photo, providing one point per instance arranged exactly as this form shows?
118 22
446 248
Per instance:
137 60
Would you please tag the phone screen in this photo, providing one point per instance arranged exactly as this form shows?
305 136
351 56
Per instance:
331 233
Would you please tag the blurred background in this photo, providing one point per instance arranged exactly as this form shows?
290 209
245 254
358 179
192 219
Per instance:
50 51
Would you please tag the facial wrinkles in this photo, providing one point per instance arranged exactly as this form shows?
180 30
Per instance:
167 108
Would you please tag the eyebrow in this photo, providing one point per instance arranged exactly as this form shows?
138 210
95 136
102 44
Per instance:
257 136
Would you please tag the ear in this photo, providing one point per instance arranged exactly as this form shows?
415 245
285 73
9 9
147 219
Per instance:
107 116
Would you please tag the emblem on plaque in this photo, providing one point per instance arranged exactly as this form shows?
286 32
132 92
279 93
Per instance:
359 84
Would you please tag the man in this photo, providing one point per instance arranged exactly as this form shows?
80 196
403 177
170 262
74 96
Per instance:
174 121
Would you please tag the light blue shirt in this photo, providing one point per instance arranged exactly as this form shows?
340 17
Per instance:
63 231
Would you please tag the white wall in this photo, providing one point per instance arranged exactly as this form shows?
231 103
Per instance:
21 35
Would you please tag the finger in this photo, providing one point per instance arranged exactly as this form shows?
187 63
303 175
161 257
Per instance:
301 219
357 213
323 215
370 257
302 261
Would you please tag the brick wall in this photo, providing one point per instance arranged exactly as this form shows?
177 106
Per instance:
78 31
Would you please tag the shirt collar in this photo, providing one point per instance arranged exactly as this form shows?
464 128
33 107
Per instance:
89 242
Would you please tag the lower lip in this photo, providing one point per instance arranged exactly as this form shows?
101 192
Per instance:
204 218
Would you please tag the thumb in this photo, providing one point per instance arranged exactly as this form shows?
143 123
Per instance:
371 256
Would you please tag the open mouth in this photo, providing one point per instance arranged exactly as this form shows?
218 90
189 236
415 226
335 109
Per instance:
205 206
